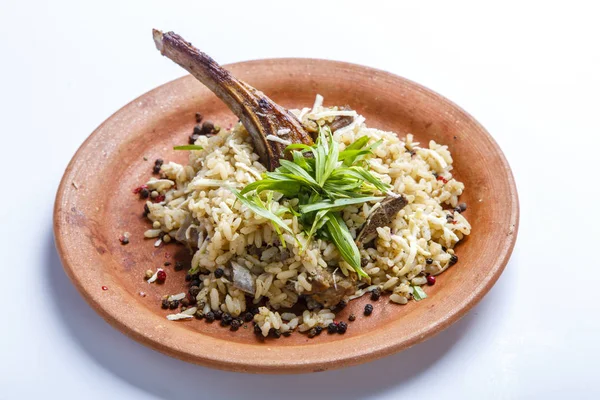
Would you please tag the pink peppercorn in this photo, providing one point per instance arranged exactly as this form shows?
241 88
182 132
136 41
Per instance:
431 280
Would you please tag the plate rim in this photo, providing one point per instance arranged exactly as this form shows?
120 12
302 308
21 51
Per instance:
351 356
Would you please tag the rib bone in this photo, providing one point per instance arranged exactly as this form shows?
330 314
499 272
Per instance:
260 115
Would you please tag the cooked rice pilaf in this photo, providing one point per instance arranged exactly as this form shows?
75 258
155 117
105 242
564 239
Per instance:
198 206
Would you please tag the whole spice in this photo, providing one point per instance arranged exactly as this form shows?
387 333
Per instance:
352 318
219 273
165 304
207 127
375 294
185 302
194 290
342 327
235 325
312 333
209 316
428 261
218 314
157 164
248 317
148 274
199 314
144 193
178 266
368 309
161 276
173 304
430 280
332 328
226 319
276 333
124 239
198 117
453 259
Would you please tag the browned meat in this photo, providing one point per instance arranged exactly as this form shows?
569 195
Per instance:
388 208
330 288
341 121
259 114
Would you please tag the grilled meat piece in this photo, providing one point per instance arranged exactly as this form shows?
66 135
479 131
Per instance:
259 114
330 288
342 120
382 215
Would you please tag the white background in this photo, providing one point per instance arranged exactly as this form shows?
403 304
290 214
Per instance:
528 71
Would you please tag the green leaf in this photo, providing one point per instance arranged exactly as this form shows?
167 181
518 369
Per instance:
296 170
358 143
418 293
362 174
301 161
330 161
298 146
327 204
256 205
340 235
189 147
320 219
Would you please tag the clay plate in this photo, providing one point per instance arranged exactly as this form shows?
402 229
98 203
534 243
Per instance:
95 205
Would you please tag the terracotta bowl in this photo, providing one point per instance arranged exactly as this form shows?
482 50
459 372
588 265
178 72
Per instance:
95 205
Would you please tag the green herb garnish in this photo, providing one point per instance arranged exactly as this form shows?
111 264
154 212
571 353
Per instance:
189 147
324 180
418 293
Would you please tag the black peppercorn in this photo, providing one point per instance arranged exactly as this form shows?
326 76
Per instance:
368 309
342 327
248 317
178 266
235 325
375 294
219 273
210 316
165 304
194 290
226 319
174 304
208 127
428 261
218 315
453 259
332 328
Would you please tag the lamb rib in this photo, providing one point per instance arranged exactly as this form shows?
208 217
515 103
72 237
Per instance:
260 115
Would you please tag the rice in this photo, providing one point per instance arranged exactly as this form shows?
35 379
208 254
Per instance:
417 241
